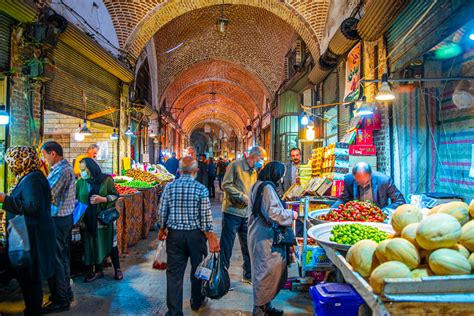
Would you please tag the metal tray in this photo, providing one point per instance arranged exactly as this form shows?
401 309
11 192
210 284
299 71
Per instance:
321 233
313 216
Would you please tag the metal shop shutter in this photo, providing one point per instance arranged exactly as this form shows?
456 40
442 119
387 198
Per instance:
75 75
343 111
5 31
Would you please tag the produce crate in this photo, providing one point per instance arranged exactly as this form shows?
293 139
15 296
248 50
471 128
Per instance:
434 295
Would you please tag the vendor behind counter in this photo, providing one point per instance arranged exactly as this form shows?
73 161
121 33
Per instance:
367 185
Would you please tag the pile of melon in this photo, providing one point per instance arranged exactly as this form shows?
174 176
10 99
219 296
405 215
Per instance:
438 244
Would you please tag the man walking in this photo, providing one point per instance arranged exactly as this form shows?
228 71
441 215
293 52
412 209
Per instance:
221 169
63 190
185 219
211 173
172 164
240 176
202 175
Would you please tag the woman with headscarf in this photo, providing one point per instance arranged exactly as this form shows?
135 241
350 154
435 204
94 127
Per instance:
31 197
269 263
98 192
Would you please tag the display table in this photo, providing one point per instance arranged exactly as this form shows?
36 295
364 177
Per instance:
442 295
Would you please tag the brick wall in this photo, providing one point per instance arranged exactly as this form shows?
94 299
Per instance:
61 128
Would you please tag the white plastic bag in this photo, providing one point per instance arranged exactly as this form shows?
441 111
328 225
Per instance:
160 261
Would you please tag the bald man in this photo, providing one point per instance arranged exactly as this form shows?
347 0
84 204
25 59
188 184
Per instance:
185 219
367 185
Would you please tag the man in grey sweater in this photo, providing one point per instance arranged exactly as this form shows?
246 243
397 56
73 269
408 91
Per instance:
239 178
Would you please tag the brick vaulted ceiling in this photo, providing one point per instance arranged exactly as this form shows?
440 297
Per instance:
204 77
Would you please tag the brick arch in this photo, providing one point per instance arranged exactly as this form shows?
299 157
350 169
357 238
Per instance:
225 93
307 17
205 113
216 70
219 103
257 41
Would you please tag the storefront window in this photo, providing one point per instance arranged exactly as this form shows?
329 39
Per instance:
288 136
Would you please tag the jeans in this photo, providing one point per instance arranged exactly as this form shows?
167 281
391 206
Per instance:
232 225
59 284
181 245
212 187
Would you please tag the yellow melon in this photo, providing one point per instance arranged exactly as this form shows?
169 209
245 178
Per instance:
390 269
434 210
471 208
380 250
409 233
471 261
456 209
404 215
461 249
438 231
363 258
399 249
419 273
449 262
467 236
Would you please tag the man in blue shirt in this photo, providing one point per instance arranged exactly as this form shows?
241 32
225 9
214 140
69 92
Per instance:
185 219
172 164
63 191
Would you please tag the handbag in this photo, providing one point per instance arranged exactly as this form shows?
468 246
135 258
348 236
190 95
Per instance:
108 216
18 242
282 236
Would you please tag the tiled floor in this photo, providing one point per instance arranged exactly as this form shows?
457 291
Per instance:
143 290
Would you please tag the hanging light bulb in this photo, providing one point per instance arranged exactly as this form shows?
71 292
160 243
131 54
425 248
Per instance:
129 132
222 22
152 134
304 120
362 108
78 136
385 93
85 130
114 135
310 133
4 116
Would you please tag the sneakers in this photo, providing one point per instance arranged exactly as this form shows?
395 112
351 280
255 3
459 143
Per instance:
247 281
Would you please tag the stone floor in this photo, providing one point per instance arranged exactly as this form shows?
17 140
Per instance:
143 290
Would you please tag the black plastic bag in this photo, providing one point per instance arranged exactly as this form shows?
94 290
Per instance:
219 282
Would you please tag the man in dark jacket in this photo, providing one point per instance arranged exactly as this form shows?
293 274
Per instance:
211 172
364 184
172 164
202 176
221 169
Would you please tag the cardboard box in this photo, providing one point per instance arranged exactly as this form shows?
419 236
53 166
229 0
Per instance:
364 137
371 160
362 150
316 257
324 187
373 122
337 188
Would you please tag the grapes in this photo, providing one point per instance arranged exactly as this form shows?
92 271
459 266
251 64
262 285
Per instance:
349 234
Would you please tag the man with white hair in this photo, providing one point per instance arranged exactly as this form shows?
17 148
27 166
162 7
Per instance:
185 219
367 185
239 178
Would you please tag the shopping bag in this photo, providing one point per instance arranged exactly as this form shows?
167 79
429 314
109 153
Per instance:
219 282
18 243
204 269
160 263
79 211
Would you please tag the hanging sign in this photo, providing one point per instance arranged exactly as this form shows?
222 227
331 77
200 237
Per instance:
353 74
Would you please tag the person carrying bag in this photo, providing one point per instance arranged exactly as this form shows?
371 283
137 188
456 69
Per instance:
270 236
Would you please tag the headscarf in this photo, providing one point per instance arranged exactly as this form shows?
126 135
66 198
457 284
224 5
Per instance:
95 181
22 160
269 175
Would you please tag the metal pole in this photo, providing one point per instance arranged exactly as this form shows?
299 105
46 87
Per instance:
305 236
420 79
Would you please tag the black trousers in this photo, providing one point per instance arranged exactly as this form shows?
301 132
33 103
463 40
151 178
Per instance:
211 187
182 245
59 284
232 225
30 283
220 178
